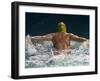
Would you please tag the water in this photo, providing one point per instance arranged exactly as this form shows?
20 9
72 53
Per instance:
39 54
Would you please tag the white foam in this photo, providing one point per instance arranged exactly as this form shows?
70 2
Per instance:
44 56
30 48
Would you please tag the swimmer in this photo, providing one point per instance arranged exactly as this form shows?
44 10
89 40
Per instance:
60 39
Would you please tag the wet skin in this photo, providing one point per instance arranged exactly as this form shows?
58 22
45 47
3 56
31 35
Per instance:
61 41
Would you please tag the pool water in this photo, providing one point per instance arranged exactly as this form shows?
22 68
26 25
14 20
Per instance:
40 54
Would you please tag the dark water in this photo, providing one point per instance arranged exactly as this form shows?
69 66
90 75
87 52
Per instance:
40 23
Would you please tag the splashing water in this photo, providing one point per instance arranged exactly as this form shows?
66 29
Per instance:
39 54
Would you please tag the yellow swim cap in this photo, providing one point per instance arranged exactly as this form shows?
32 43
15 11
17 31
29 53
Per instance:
61 27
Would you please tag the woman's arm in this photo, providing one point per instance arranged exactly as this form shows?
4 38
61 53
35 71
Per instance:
47 37
77 38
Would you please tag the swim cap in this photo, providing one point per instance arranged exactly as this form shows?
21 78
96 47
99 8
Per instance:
61 27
